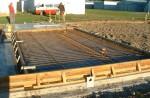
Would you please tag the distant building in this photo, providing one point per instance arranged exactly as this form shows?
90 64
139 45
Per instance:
125 5
71 6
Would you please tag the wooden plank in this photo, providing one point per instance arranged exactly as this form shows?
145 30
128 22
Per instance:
49 74
76 77
145 62
145 67
85 71
126 74
55 77
125 69
103 73
45 30
125 65
50 80
22 80
49 77
102 68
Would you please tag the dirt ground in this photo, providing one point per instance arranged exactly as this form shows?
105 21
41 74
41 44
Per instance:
136 34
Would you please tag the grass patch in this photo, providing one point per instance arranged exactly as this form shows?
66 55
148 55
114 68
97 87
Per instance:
97 14
90 14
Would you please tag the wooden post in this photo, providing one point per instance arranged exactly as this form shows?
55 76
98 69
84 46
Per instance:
64 77
113 71
138 67
38 80
92 72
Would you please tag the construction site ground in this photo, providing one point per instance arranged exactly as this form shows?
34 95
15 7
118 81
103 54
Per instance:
136 88
136 34
133 33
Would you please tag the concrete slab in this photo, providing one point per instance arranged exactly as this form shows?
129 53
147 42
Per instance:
7 64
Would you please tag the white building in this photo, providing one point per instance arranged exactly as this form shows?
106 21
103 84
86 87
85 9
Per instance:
4 10
71 6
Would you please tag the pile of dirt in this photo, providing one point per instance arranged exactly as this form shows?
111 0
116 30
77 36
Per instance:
136 34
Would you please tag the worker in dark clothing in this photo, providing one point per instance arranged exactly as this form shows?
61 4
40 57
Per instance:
62 11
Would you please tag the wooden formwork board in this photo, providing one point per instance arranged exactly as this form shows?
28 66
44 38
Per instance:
63 77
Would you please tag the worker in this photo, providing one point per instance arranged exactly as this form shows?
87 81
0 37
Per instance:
11 13
62 11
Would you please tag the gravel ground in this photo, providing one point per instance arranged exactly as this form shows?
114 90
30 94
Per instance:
136 34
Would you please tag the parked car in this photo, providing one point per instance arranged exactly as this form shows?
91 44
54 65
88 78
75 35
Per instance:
46 9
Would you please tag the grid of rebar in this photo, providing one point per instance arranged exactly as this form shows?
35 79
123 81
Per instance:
61 49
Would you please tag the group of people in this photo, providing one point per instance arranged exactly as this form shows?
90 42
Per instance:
12 12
